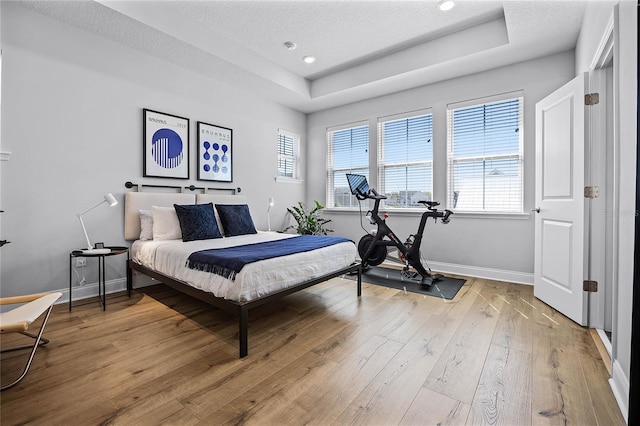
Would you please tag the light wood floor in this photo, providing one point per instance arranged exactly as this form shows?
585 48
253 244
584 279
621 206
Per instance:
493 355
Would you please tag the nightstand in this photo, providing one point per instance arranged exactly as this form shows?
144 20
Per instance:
115 251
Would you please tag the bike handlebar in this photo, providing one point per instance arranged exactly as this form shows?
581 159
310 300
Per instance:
375 196
433 212
445 218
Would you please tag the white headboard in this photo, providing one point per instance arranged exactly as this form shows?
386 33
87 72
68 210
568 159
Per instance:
134 201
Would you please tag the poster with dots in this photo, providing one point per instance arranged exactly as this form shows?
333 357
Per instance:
166 145
215 153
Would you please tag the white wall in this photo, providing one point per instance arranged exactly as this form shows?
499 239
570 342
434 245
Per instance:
595 20
488 245
72 120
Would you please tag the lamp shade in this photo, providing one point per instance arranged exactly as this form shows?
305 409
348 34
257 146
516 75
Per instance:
271 203
110 199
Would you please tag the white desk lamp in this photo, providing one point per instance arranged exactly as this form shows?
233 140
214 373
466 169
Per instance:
109 199
271 204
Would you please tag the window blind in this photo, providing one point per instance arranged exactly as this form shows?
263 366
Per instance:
347 152
288 146
485 156
405 158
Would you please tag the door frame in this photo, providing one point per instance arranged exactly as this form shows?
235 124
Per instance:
601 216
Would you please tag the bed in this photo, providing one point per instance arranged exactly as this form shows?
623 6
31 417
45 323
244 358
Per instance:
158 251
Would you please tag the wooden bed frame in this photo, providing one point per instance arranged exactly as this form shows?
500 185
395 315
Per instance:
137 200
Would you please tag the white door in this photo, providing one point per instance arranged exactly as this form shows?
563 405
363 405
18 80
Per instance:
560 222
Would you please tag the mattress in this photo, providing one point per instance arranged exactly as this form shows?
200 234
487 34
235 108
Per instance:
256 279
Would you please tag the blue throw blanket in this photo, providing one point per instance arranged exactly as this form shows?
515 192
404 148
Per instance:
229 261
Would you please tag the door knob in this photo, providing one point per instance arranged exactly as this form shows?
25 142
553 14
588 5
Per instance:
537 210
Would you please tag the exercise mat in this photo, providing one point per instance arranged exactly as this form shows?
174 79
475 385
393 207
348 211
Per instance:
445 287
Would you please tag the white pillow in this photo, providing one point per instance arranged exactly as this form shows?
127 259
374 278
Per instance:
146 225
166 225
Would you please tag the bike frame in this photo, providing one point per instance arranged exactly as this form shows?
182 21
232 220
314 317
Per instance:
411 254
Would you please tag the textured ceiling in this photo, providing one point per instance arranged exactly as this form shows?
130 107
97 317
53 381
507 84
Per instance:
363 48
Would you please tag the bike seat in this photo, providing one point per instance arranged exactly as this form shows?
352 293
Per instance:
429 204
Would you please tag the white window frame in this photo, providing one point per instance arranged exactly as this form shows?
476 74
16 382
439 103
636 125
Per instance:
330 201
451 161
381 165
294 157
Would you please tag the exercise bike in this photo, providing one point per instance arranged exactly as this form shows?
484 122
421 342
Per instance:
373 248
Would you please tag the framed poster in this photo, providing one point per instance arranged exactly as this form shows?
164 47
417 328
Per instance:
166 145
215 153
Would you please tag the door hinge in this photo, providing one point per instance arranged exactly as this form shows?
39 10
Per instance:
591 192
590 286
592 98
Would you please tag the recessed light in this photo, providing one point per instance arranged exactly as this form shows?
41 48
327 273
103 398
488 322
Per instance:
446 5
290 45
309 59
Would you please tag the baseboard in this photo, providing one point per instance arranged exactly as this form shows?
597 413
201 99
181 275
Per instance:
141 280
480 272
472 271
91 290
603 346
620 387
111 286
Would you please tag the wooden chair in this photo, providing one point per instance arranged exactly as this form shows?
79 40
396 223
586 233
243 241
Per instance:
20 318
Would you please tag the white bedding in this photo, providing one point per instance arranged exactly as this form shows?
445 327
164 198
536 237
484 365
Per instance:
255 279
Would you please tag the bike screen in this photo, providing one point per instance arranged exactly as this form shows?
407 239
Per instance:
358 184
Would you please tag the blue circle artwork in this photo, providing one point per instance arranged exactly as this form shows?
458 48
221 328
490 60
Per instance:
214 156
206 145
166 148
225 158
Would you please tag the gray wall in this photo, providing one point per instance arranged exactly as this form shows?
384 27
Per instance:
72 121
485 246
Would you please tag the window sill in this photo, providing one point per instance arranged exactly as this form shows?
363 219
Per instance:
418 212
492 215
281 179
349 210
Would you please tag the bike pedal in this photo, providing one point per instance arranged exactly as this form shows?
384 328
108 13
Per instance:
426 282
408 275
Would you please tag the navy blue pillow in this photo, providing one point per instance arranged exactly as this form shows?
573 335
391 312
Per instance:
236 219
197 222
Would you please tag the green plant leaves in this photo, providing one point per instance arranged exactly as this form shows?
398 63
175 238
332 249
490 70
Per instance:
309 223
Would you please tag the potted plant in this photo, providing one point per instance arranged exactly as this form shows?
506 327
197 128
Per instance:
309 223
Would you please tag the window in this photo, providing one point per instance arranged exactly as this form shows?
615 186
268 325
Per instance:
347 152
405 157
485 155
288 148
